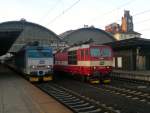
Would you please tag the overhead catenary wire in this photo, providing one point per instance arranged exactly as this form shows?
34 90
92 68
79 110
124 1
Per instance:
49 11
64 11
142 21
117 8
143 12
146 29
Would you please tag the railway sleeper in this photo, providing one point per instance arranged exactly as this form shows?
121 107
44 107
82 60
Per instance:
75 102
88 108
64 98
58 91
98 110
60 94
80 105
71 101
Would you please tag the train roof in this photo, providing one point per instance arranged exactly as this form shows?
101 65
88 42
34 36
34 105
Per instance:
79 47
34 45
37 47
29 47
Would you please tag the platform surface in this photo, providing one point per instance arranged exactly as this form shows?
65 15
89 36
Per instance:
139 72
19 96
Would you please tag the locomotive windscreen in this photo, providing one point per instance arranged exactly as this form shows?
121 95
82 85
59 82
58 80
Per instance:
39 54
100 52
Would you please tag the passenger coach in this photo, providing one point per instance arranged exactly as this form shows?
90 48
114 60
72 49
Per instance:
91 62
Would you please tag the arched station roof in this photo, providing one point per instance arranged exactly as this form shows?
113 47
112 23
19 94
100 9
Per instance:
84 34
30 32
7 38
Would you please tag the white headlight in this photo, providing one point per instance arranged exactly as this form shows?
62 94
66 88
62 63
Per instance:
48 66
33 66
107 66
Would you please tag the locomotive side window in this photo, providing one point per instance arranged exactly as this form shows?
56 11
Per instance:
82 54
86 52
72 57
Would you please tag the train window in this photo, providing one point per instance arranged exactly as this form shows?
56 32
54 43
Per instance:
86 52
37 54
82 53
105 52
72 57
95 52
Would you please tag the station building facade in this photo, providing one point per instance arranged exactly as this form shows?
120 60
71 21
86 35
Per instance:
131 54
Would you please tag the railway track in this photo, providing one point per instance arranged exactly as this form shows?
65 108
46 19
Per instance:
142 82
126 92
75 101
123 100
131 77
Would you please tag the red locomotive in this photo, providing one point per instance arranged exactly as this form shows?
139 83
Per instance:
91 62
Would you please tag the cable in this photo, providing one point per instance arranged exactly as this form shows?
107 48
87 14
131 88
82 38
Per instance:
146 11
66 10
119 7
146 29
49 11
142 21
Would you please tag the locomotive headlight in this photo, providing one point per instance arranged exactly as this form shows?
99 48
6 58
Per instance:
48 66
94 67
32 66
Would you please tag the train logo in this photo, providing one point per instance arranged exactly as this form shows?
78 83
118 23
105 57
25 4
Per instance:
41 62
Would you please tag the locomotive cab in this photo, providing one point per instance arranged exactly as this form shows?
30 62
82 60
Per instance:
39 64
101 63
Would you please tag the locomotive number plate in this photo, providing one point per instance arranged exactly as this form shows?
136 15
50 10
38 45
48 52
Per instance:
101 63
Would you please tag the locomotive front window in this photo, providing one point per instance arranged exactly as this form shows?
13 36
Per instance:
105 52
95 52
100 52
46 54
37 54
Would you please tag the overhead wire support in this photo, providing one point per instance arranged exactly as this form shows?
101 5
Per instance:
64 11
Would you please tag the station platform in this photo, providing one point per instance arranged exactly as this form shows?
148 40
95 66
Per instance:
19 96
139 72
135 75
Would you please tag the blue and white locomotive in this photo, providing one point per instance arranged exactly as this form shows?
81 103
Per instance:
35 62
